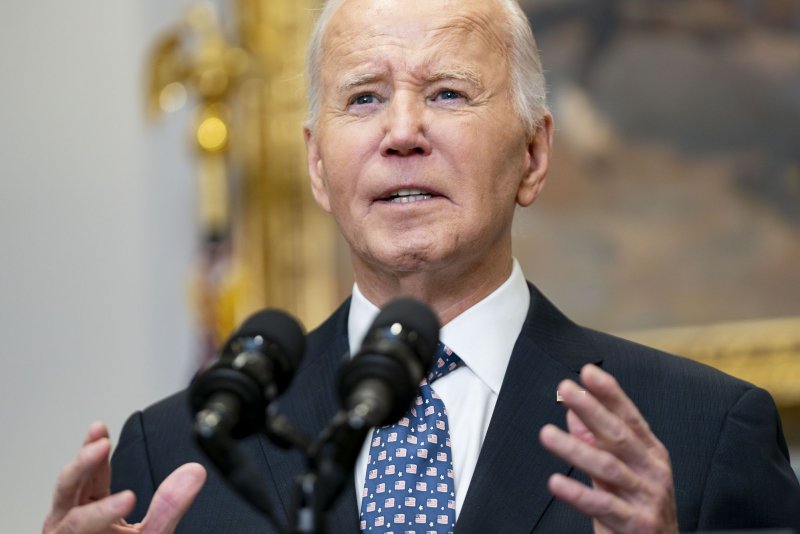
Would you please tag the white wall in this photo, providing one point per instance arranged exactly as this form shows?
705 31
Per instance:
96 236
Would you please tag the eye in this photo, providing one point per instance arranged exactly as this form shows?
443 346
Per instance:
448 94
363 99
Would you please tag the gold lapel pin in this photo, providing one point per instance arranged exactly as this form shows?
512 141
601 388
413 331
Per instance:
560 399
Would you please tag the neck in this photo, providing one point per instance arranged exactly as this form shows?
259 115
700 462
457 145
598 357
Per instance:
449 290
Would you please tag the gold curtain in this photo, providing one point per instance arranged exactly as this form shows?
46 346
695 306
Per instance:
288 245
265 242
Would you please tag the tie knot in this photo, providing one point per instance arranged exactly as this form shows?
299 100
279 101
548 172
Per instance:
444 361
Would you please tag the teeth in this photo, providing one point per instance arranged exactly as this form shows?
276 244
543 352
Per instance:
408 192
410 198
404 196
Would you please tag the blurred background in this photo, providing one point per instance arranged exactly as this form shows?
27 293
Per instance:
153 193
675 193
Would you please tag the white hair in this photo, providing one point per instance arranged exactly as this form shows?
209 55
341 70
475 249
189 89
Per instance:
528 91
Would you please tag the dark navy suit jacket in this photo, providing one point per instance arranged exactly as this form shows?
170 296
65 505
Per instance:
730 461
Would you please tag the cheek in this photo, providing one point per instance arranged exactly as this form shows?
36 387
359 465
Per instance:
348 154
485 149
345 194
494 188
337 166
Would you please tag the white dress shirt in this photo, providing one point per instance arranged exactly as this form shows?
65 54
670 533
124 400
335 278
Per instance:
483 336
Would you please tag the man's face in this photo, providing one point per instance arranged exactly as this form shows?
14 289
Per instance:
417 152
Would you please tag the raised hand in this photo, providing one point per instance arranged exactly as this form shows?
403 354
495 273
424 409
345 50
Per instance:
608 439
82 503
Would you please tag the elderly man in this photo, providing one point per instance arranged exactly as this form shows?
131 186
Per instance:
428 125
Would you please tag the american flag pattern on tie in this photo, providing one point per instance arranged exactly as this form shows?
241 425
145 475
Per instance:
409 486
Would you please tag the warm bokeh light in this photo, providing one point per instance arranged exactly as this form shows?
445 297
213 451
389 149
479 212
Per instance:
212 134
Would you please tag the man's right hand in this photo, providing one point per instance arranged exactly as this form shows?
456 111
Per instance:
82 503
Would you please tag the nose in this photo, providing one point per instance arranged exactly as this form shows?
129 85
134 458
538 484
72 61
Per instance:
405 129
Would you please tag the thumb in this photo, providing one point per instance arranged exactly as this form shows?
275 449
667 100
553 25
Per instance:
173 498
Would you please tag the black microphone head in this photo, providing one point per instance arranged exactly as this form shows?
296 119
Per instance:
396 352
417 318
279 328
280 341
256 364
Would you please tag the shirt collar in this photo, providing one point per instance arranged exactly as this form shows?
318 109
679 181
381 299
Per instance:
483 336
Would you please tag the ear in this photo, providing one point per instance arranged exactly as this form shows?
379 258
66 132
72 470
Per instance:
537 162
316 170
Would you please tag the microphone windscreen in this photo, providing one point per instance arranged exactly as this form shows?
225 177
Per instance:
277 327
415 316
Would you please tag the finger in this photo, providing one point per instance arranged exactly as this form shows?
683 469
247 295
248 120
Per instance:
609 510
579 430
91 458
97 430
95 517
173 498
610 432
98 485
607 390
598 464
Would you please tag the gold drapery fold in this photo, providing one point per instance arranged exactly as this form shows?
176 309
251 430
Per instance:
288 244
266 243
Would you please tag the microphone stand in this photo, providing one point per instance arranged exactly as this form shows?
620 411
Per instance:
331 460
213 435
307 516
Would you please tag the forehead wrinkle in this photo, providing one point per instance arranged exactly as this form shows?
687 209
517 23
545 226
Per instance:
340 42
451 30
422 73
474 25
352 52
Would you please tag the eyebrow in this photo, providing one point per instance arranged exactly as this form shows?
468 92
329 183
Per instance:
356 80
464 74
460 73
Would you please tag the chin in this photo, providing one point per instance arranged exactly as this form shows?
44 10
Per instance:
409 258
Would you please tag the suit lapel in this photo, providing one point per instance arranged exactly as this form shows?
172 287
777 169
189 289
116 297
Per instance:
509 485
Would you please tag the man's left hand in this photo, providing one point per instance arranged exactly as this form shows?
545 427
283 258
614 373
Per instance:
608 439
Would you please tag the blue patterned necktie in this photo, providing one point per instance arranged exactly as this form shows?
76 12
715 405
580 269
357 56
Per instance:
409 484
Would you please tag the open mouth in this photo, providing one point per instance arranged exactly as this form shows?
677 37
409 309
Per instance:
404 196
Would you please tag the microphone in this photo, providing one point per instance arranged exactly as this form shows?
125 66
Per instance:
376 387
379 383
256 364
230 397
